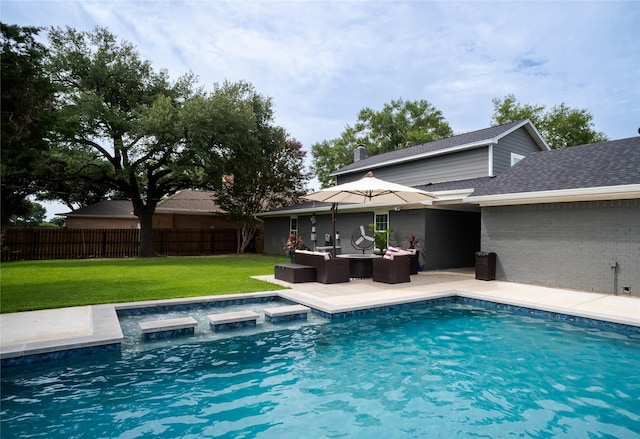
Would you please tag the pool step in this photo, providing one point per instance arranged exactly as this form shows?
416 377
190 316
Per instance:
286 313
229 320
168 328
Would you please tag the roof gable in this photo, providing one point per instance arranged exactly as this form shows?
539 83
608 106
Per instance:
459 142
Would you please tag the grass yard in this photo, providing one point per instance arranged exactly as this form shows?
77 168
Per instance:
31 285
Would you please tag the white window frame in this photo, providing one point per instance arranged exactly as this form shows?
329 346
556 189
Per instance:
375 219
515 158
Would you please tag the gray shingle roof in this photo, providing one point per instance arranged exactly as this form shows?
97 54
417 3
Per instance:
611 163
190 201
472 183
186 201
479 138
109 208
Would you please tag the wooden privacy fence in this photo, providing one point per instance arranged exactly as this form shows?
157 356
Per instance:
62 243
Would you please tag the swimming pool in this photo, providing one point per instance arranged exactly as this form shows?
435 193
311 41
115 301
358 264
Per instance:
450 370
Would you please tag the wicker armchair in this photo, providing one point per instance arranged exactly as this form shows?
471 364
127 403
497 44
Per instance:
328 271
392 270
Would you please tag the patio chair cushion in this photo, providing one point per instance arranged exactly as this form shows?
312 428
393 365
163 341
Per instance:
393 251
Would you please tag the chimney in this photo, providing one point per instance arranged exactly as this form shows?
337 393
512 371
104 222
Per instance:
360 153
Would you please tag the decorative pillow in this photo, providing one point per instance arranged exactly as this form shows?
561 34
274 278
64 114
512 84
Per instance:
390 251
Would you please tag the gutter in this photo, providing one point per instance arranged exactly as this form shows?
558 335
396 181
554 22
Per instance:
630 191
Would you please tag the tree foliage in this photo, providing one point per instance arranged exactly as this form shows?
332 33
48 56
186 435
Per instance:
28 117
561 126
265 168
32 216
400 124
123 129
126 128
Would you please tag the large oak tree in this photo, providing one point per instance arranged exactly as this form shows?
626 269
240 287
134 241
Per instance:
125 119
134 131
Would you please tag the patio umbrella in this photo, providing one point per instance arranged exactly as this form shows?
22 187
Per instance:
367 190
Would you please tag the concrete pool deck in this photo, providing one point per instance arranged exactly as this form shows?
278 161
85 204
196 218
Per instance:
48 331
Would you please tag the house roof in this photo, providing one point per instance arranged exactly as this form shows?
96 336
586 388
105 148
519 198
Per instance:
474 139
105 209
469 184
189 201
587 170
186 201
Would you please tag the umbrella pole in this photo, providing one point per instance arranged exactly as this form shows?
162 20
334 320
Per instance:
334 208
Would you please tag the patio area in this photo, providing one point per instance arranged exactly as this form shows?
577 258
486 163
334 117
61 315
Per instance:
50 331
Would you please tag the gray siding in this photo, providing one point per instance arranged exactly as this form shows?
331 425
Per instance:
457 166
519 142
276 232
566 245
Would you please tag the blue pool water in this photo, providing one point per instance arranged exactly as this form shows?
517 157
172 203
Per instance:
451 370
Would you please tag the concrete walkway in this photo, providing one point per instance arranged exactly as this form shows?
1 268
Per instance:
37 332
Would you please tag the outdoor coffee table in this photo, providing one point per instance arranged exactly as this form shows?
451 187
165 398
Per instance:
360 266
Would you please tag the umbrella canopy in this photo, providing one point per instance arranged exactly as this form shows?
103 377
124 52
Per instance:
368 190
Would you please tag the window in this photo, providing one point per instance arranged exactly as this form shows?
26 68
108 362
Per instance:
293 228
515 158
382 221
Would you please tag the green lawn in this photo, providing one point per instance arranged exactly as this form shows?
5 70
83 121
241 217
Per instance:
30 285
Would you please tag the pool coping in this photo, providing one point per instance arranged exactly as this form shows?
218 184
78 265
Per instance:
106 333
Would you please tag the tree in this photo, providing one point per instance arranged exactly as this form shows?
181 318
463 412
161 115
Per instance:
28 116
561 126
33 216
398 125
74 177
126 125
264 167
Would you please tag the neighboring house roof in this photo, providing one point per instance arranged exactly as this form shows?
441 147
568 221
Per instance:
186 202
474 139
190 202
596 171
105 209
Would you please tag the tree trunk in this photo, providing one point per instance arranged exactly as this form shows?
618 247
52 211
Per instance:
247 232
145 215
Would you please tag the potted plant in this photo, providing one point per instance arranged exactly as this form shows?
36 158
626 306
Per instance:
293 243
412 243
381 239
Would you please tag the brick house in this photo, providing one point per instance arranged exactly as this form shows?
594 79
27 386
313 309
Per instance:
565 218
187 209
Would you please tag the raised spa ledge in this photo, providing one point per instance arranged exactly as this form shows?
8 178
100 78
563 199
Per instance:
231 320
286 313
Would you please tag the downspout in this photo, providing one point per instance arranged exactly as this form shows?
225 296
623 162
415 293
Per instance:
491 160
614 265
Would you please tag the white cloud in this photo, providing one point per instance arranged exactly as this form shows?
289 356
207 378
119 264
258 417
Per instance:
322 62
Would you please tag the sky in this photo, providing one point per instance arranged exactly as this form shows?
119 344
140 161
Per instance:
321 62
